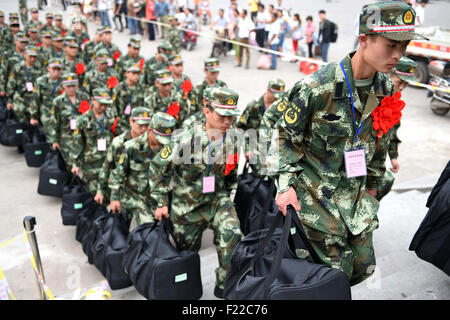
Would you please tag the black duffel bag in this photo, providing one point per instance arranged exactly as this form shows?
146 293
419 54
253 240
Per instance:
90 235
109 247
13 130
74 197
264 267
87 215
53 175
35 146
157 269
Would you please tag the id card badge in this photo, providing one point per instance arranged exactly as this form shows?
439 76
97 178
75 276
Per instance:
110 62
101 144
355 163
208 184
30 87
127 110
73 124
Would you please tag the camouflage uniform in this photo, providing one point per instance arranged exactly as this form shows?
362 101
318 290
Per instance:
84 153
88 48
124 96
130 180
152 65
316 128
94 78
192 211
54 54
71 66
179 83
47 27
46 91
23 10
17 89
112 49
124 61
156 103
174 37
12 59
62 112
45 53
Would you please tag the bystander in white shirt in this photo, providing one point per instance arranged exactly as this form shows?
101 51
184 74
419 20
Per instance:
245 26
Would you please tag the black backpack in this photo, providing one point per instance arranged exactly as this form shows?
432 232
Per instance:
264 267
333 31
157 269
35 146
109 247
74 199
53 175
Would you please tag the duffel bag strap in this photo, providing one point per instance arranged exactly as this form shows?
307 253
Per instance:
266 206
301 233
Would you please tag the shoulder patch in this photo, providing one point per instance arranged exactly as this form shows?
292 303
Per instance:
122 158
281 106
166 152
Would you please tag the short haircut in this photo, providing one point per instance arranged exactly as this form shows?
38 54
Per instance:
322 11
309 18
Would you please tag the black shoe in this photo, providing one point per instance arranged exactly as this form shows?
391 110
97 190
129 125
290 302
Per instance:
218 292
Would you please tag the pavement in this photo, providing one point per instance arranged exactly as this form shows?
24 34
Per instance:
400 274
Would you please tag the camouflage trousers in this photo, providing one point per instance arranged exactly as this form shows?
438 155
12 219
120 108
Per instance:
20 110
136 207
353 254
90 178
221 218
385 185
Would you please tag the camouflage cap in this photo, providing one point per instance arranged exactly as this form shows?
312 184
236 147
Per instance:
163 125
46 34
20 36
164 76
277 86
33 28
132 67
57 37
223 101
14 21
176 59
212 64
31 50
76 19
166 47
104 29
70 42
70 79
49 15
405 69
34 10
102 55
13 15
55 63
135 42
390 19
102 96
58 16
141 115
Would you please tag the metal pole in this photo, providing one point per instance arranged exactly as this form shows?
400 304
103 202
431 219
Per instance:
29 223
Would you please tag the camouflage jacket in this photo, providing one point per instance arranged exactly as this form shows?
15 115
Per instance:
123 95
8 62
156 103
316 128
173 37
80 38
178 83
191 120
122 62
84 152
178 160
252 115
131 176
44 55
6 40
45 27
149 71
197 99
55 54
88 51
94 79
393 144
112 49
17 82
112 157
46 91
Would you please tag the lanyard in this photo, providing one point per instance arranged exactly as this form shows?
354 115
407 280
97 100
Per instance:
102 127
71 105
28 73
357 130
209 152
55 85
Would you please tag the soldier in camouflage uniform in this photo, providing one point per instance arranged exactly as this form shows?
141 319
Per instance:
71 60
130 186
165 97
59 27
8 34
173 35
181 82
49 23
94 133
128 94
23 12
401 75
33 34
48 87
132 56
57 46
201 189
115 149
106 43
45 49
89 46
212 68
96 78
33 21
80 35
158 62
22 85
321 133
63 116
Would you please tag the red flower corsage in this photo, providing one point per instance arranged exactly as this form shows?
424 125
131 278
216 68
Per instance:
232 161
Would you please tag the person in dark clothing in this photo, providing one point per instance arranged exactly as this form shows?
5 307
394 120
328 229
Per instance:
324 35
118 5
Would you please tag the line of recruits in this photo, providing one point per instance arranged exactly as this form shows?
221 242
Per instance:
114 125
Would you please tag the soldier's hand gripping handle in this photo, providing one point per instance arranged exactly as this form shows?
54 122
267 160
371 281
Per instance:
163 211
286 198
115 206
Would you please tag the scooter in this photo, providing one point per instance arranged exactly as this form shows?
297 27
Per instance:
204 12
439 77
189 37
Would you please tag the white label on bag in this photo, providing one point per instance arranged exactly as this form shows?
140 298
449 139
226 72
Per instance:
37 152
53 181
78 206
181 277
19 131
293 230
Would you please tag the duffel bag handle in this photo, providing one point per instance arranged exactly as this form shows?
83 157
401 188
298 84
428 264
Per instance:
267 203
301 233
164 225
